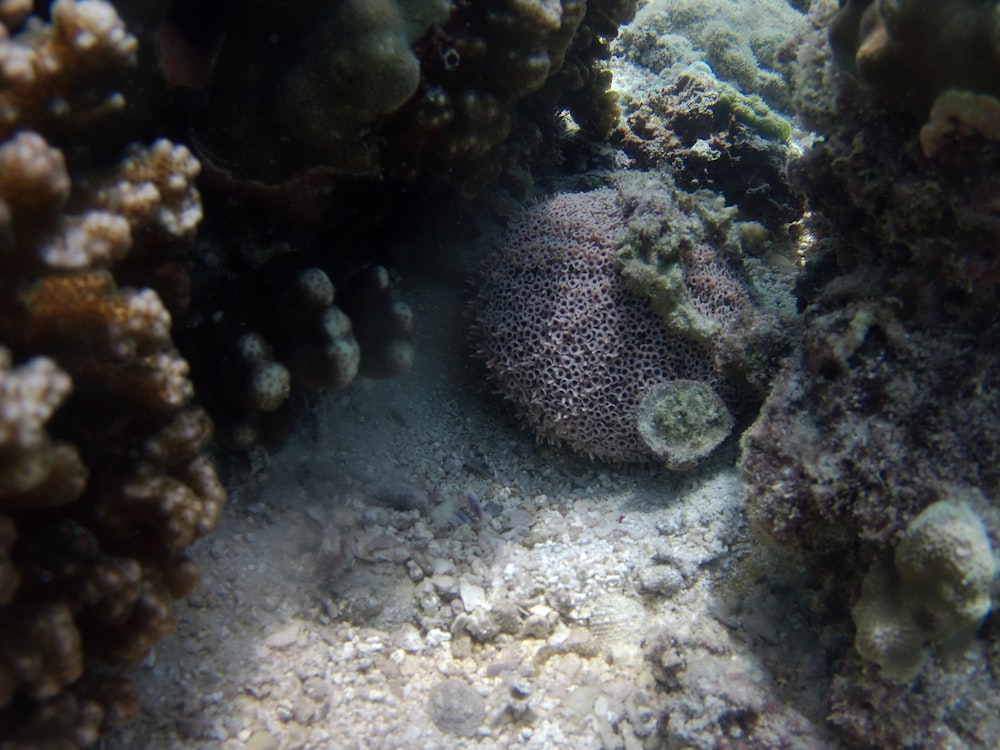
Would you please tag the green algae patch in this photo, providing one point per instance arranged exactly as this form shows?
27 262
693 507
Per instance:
682 422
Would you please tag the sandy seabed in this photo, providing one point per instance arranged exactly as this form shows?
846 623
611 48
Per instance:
412 570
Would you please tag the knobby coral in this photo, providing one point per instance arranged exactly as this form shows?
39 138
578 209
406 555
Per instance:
396 88
315 336
103 478
936 590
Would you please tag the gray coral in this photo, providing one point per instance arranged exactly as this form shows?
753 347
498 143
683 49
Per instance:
937 590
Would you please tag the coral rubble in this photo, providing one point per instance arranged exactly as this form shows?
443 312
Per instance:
103 476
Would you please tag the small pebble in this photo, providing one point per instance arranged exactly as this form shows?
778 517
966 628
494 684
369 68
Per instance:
456 708
261 740
284 637
472 595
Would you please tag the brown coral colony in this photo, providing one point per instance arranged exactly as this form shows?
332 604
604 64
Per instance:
103 479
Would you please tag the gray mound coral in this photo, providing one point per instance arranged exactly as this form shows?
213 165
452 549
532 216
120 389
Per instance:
936 590
576 344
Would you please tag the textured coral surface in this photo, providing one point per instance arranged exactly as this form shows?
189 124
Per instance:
103 479
576 344
891 406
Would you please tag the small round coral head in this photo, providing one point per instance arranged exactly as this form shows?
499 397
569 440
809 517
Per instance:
682 422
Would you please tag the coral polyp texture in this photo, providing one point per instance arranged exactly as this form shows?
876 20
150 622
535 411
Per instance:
103 476
577 345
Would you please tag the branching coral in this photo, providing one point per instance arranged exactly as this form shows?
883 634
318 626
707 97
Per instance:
48 72
103 480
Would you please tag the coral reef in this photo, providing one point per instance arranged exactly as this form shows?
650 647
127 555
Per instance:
937 590
103 478
576 344
913 51
823 476
390 88
304 151
308 124
709 136
892 401
668 37
956 112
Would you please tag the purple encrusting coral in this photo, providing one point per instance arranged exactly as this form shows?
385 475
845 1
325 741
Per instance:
575 340
563 337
